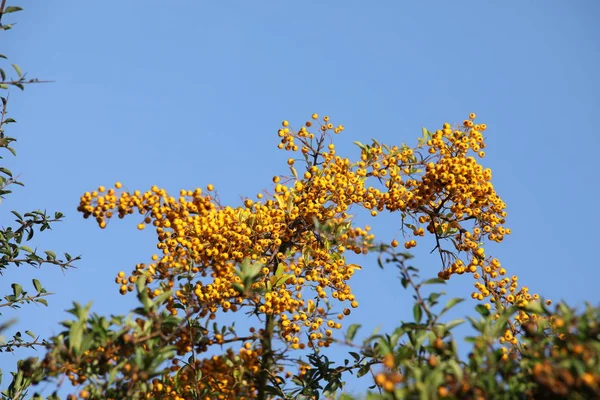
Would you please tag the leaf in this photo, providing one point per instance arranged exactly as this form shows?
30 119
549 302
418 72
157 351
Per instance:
30 334
161 298
279 271
2 74
37 285
434 296
17 289
51 255
417 313
42 301
362 371
11 9
481 309
453 323
75 336
360 145
239 288
352 329
451 303
18 70
434 281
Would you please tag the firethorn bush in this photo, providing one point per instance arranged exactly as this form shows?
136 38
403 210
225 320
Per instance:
284 261
14 252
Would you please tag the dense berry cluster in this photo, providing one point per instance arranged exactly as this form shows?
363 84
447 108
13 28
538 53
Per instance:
228 376
292 243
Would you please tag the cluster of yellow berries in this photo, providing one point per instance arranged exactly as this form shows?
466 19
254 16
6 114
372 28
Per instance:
227 376
299 235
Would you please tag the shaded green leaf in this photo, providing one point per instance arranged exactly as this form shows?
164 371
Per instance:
17 289
351 333
417 313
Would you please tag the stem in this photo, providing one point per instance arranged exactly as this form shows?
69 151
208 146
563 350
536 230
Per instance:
2 9
267 359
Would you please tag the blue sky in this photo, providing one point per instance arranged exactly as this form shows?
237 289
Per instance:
182 94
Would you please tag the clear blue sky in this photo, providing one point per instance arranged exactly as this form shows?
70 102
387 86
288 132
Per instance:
182 94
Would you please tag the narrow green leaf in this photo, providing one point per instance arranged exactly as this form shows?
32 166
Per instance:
453 323
417 313
280 269
51 255
11 9
37 285
18 70
17 289
433 281
239 288
351 333
481 309
161 298
451 303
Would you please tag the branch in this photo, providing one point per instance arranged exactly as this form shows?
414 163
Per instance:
2 10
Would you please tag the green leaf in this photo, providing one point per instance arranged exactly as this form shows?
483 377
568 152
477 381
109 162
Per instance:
37 285
352 329
51 255
433 281
2 74
451 303
30 334
453 323
417 313
42 301
434 296
161 298
360 145
11 9
279 271
362 371
239 288
27 249
17 289
75 336
481 309
18 70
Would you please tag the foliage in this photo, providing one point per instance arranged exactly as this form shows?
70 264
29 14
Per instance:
13 238
285 260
